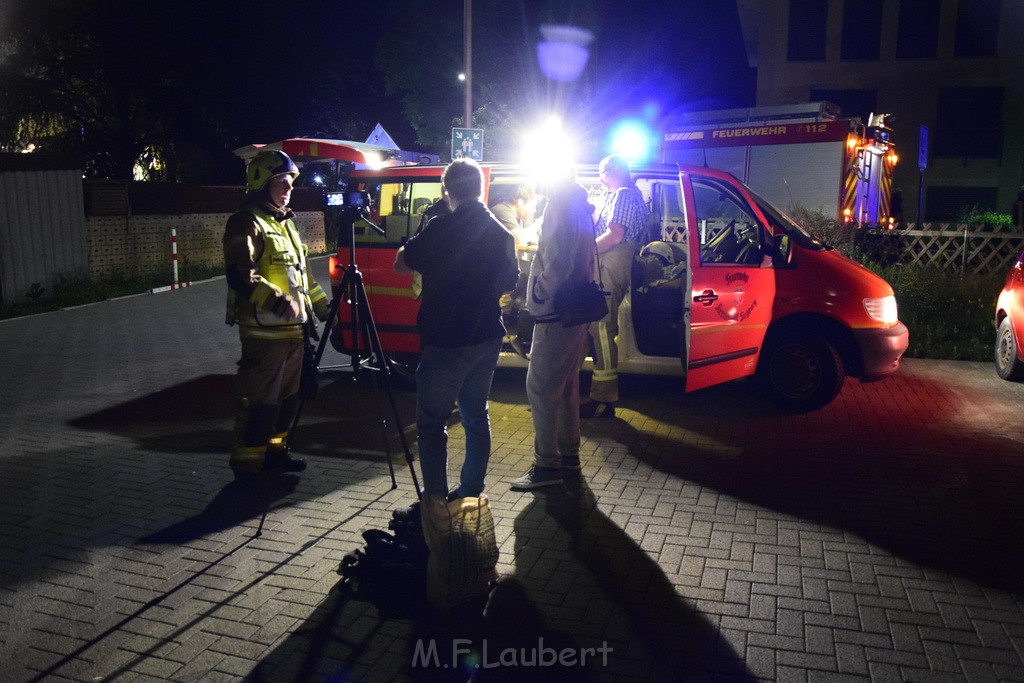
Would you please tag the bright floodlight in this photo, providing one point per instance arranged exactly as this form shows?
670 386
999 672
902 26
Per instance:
373 160
632 140
563 54
548 150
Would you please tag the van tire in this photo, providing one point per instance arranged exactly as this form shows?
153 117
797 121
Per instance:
803 373
403 366
1008 365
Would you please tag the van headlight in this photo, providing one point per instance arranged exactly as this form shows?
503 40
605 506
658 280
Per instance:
883 310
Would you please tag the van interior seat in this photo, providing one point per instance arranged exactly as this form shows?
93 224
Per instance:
661 265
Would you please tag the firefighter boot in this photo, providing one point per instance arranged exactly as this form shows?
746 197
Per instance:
246 458
278 459
253 426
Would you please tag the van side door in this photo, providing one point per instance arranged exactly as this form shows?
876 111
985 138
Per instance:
732 287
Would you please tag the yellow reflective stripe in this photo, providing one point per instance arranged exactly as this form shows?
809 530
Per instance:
604 341
604 375
275 332
390 291
714 329
316 294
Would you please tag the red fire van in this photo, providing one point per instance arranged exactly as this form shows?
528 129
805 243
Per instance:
728 286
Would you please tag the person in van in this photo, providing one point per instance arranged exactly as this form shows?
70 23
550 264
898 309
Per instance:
621 232
515 207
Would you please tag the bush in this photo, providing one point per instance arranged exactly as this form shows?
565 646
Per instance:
949 316
68 292
985 219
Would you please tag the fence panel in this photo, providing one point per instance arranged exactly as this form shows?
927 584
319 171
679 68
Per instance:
982 250
42 237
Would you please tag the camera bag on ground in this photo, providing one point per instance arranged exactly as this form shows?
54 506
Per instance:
463 549
390 571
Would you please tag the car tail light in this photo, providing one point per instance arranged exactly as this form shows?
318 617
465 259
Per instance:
335 272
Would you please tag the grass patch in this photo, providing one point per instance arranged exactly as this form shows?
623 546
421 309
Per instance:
70 292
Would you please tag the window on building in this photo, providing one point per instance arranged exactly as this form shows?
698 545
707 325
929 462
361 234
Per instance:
807 22
862 30
918 33
943 203
969 123
977 28
852 103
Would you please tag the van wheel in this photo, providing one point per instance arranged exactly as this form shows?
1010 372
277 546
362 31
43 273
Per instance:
802 373
403 366
1008 364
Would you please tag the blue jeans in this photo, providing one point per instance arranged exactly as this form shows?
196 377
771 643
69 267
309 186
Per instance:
445 377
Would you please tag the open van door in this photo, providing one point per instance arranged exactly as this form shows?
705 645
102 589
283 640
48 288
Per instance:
732 282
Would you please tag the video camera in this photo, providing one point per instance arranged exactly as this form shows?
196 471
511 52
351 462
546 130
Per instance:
354 204
357 201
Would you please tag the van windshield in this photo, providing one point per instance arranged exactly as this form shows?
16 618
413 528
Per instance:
781 222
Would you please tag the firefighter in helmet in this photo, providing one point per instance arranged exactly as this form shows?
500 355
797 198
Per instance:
271 297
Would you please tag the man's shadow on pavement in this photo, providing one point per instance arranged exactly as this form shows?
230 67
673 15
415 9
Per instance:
885 484
346 419
654 634
246 497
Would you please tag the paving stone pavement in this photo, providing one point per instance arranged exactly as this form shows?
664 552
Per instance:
708 538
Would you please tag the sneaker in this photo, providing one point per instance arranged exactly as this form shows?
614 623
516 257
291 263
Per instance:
283 461
571 462
537 477
411 514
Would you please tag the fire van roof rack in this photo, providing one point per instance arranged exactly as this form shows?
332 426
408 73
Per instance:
797 113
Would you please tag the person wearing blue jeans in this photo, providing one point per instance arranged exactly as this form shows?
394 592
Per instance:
461 376
466 261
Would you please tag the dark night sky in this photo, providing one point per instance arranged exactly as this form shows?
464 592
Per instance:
649 57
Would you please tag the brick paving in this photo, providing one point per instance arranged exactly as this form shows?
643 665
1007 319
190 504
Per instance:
708 538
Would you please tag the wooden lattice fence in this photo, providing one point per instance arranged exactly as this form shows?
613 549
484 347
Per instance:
977 250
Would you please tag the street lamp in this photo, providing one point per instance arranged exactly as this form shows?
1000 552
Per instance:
467 31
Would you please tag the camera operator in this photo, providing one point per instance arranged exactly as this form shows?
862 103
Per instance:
467 260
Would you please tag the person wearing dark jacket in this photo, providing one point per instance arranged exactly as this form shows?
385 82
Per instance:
271 296
565 253
466 260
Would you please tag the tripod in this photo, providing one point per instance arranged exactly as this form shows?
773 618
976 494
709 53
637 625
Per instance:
361 325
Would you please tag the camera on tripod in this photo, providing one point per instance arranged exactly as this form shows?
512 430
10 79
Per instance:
353 201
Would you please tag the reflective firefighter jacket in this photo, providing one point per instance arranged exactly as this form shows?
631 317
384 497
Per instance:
265 264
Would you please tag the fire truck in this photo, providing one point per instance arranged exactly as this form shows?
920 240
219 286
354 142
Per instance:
795 156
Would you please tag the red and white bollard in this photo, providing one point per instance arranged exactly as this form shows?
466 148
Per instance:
174 262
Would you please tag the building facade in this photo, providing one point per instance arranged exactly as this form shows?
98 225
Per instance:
950 72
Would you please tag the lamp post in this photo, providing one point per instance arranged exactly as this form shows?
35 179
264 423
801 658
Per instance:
467 32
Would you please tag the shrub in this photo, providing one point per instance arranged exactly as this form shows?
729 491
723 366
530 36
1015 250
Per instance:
984 219
949 316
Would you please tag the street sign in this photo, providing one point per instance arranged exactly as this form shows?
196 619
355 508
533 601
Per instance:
468 143
922 148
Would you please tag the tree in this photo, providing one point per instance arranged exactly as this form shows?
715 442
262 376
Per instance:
179 84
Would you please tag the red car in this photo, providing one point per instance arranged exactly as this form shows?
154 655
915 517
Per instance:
1009 355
